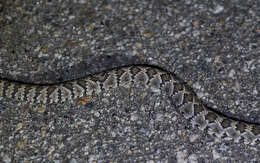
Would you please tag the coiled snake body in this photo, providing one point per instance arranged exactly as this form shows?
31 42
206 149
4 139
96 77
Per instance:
151 77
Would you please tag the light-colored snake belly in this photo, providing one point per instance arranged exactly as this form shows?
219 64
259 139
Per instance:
182 97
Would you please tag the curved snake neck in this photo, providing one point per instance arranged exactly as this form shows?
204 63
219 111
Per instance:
150 77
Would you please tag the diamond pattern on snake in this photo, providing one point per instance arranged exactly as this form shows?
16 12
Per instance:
182 97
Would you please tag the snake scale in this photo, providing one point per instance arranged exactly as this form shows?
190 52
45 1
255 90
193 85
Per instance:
154 78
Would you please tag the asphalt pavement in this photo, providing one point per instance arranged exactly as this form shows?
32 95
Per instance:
214 46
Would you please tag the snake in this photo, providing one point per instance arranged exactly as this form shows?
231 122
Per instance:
181 95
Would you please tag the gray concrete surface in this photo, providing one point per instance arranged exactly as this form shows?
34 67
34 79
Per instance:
212 45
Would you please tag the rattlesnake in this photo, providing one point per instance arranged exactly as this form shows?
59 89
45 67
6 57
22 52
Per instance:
151 77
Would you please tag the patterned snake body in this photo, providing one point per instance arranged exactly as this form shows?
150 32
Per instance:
148 76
